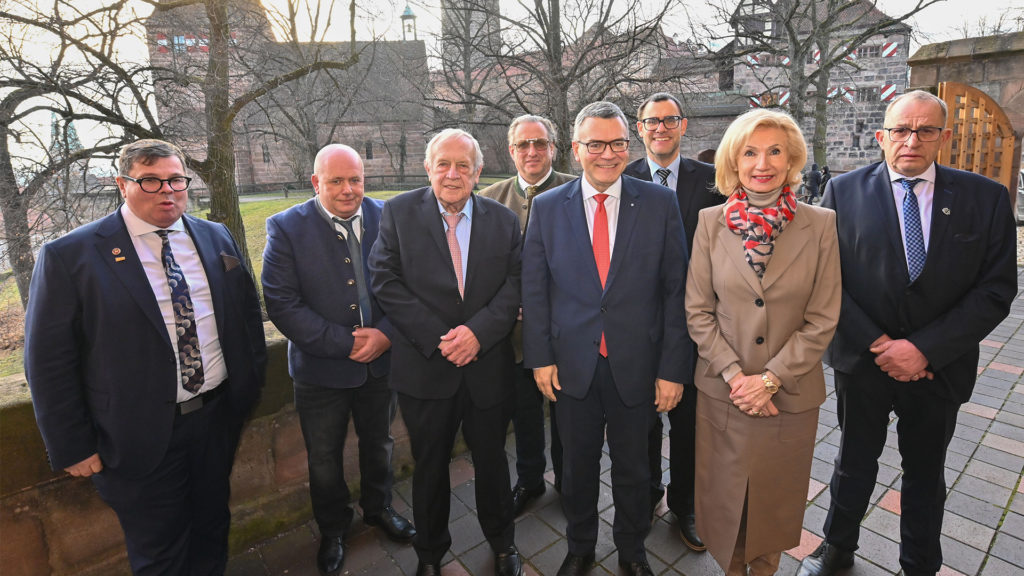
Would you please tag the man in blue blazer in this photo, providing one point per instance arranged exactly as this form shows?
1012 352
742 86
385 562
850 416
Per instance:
316 286
144 352
604 270
928 259
661 123
445 269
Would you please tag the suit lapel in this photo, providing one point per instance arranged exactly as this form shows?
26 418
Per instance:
572 204
880 189
479 239
685 185
732 245
789 244
213 265
629 207
113 242
942 206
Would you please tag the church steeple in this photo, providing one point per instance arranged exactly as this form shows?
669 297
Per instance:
408 23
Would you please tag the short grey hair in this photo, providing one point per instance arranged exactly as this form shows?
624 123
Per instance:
547 124
923 96
146 152
451 134
598 110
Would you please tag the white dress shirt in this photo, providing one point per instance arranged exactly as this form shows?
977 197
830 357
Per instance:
149 246
611 207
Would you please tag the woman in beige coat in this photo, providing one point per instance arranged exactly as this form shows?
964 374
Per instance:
762 301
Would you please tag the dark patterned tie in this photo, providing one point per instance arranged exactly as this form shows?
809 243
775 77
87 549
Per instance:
356 253
189 358
663 173
916 254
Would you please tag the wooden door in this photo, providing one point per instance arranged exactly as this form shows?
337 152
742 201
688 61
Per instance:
982 139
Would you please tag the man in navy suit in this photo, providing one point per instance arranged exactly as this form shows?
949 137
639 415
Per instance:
317 290
928 258
144 352
660 122
604 270
445 269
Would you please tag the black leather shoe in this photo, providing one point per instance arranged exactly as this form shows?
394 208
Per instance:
637 568
330 556
393 524
826 560
428 569
688 532
576 565
521 496
508 562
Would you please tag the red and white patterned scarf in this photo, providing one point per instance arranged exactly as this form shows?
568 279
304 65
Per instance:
759 227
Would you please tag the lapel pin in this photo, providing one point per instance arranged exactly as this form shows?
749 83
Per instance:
119 259
115 251
945 211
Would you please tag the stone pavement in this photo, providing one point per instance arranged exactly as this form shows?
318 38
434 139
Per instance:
983 527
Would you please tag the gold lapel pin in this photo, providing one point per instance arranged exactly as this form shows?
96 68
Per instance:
115 251
119 259
945 211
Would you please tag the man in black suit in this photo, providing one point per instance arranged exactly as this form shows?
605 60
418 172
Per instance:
445 269
928 258
317 291
660 122
144 352
531 143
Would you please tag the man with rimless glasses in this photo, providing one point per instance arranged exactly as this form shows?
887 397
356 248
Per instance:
661 124
531 144
604 266
144 353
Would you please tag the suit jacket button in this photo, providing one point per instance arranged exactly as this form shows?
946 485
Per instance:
603 309
759 340
759 303
352 306
348 260
350 282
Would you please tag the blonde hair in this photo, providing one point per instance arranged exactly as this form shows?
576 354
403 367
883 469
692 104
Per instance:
727 178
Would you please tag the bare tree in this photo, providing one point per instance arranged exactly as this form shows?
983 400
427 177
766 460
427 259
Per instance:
89 75
800 46
550 58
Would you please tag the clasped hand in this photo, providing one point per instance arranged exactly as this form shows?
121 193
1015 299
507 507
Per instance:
900 359
459 346
750 396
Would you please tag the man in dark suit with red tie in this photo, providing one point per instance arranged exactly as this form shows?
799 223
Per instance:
661 123
445 269
317 290
928 259
604 269
144 352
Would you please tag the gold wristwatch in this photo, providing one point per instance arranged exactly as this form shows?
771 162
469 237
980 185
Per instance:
769 384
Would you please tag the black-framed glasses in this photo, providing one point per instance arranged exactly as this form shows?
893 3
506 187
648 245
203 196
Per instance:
153 185
598 146
924 133
537 143
670 122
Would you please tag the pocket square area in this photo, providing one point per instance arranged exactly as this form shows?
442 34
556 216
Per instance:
230 262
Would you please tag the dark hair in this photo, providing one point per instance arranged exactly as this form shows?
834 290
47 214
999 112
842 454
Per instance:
146 152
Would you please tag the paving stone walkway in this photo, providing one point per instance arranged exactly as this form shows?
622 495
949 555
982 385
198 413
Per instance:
982 532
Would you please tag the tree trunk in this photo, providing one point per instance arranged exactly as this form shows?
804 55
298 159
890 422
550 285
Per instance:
13 206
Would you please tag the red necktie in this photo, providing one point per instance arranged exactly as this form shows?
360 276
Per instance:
601 250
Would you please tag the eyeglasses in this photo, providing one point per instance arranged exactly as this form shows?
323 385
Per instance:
670 122
153 185
924 133
598 146
537 143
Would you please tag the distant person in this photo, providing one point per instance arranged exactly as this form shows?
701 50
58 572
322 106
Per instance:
531 144
662 125
445 269
813 183
316 286
825 177
144 352
762 302
929 269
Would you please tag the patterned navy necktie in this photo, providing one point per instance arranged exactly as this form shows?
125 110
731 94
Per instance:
663 173
916 253
189 358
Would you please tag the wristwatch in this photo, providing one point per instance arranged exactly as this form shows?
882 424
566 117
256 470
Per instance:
769 384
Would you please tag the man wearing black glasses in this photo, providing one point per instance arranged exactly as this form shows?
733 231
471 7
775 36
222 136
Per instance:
144 352
531 144
928 259
604 266
661 124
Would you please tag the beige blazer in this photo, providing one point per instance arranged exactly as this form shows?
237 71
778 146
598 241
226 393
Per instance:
782 322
